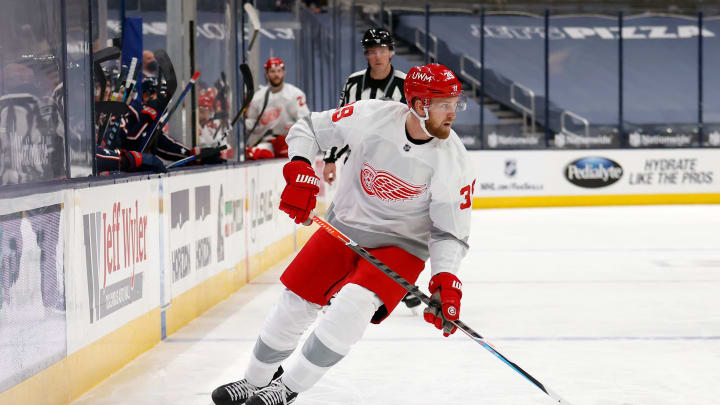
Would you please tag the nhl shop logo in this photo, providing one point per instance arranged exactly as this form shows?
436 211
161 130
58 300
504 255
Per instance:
510 167
115 244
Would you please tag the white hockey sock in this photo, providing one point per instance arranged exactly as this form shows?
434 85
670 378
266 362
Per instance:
279 337
341 327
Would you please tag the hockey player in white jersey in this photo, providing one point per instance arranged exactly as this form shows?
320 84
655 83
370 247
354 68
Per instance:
405 195
272 112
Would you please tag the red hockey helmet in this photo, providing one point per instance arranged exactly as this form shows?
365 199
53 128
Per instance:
206 98
274 62
431 81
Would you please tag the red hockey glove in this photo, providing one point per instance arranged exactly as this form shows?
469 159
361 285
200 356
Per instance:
446 290
131 160
298 198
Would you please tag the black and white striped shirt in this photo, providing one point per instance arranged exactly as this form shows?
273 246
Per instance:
360 86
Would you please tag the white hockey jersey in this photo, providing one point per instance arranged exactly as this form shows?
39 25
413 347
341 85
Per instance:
283 109
392 191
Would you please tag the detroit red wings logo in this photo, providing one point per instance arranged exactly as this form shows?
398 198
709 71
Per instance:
270 116
386 186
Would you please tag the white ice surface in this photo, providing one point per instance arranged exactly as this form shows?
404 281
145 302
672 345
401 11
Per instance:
617 305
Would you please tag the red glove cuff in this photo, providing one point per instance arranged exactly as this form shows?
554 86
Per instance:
445 281
299 196
300 174
134 158
450 289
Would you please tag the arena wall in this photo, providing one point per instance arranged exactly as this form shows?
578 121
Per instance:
94 275
128 264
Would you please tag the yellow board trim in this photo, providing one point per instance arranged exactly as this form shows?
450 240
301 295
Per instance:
69 378
193 302
592 200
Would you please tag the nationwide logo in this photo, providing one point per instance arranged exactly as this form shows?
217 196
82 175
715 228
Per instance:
495 140
638 139
593 172
115 243
562 140
387 186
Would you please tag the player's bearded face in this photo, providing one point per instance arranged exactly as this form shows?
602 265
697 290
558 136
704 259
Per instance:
276 76
442 115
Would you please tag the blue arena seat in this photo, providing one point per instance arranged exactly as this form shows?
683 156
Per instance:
660 63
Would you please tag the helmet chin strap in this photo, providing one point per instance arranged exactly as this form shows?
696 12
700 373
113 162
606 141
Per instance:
422 120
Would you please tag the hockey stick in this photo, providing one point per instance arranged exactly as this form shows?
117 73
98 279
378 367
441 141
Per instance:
129 96
116 84
204 154
163 118
103 55
249 85
414 290
254 20
126 80
167 72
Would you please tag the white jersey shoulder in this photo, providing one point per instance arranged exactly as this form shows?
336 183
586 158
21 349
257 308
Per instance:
358 73
293 90
259 95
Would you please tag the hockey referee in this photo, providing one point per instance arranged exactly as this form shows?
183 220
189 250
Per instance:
379 81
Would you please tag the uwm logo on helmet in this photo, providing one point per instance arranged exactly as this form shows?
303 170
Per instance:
593 172
115 243
422 76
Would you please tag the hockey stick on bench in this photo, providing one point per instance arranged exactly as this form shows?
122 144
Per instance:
205 153
162 118
414 290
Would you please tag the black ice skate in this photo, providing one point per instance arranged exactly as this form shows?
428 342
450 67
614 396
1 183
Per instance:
276 393
236 393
